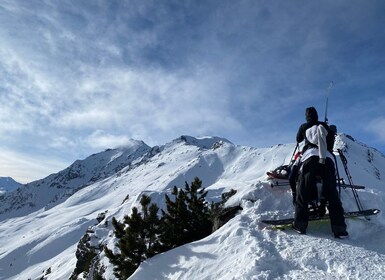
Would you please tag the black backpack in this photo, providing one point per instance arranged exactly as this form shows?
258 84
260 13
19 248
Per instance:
330 138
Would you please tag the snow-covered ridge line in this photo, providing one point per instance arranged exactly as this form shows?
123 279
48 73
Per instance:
205 142
55 188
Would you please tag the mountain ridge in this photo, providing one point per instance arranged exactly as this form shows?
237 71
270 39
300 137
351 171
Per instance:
58 186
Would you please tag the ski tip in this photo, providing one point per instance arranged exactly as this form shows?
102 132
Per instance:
372 211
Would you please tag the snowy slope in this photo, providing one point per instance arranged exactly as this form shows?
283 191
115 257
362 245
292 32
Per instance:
42 233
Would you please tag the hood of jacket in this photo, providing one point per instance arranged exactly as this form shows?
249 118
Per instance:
311 114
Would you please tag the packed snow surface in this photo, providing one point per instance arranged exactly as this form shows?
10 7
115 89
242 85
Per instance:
42 222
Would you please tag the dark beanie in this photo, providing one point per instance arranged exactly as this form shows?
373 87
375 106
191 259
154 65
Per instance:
311 114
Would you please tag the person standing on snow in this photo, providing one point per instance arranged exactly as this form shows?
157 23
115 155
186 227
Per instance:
317 160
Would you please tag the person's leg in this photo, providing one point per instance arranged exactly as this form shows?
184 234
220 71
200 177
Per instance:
305 189
336 210
293 175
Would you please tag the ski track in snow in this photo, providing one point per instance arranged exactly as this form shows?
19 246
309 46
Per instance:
35 239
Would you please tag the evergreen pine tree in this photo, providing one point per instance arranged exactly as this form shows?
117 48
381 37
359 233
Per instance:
187 218
143 234
200 220
151 226
175 220
123 266
137 239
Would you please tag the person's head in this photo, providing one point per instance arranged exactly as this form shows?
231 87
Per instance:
311 114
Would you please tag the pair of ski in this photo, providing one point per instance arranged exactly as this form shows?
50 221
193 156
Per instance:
281 223
277 182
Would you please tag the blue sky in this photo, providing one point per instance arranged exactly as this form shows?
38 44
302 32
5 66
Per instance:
77 77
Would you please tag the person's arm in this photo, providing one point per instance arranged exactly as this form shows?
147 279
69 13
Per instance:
300 133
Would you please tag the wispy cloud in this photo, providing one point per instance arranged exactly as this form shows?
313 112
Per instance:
377 128
101 140
24 168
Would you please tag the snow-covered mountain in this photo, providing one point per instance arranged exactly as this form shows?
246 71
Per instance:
41 223
55 188
8 184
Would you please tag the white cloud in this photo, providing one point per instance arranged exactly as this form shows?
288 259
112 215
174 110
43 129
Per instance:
25 168
377 127
80 76
60 142
75 79
120 98
102 140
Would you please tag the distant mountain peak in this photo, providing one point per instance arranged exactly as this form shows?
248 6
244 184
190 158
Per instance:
8 184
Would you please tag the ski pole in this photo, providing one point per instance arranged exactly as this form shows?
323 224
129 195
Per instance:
355 194
338 176
296 147
327 100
